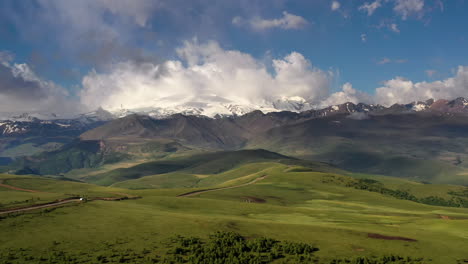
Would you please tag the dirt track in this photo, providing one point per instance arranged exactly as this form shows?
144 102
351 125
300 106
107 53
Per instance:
16 188
39 206
58 203
219 189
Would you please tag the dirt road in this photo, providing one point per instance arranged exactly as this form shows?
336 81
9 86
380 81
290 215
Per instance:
39 206
17 188
58 203
219 189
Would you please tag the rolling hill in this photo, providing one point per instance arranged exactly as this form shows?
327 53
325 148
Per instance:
205 163
344 217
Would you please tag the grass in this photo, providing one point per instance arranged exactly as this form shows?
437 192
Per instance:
299 206
398 153
206 163
46 190
239 175
416 188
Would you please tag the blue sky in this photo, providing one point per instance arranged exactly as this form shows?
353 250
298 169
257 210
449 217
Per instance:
412 49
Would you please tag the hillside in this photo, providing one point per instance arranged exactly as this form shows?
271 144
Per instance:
428 146
344 217
207 163
423 141
418 146
77 154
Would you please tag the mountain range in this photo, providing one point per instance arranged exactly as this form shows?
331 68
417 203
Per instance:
424 141
220 109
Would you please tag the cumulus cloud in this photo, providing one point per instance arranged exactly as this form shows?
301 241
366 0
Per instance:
287 21
205 73
370 7
21 88
406 8
401 90
335 5
347 94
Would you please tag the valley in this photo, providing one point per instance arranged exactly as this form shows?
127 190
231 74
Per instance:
233 132
310 203
387 188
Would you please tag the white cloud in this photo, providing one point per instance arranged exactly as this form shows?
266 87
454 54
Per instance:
364 37
335 5
213 75
405 8
238 21
370 7
22 90
205 73
287 21
400 90
347 94
394 27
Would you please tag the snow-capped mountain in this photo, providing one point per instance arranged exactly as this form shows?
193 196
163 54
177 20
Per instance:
28 117
40 127
32 124
95 116
293 104
209 110
23 123
298 105
217 108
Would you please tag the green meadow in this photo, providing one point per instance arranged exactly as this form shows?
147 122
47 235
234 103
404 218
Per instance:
290 203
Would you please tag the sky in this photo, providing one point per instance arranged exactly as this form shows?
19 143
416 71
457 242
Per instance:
75 56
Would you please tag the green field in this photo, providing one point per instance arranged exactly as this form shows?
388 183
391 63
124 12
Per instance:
292 203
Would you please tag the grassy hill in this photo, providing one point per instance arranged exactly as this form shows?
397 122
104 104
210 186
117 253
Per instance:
94 154
344 217
39 190
206 163
418 147
78 154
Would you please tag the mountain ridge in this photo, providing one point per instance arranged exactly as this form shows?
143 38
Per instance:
428 137
295 105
